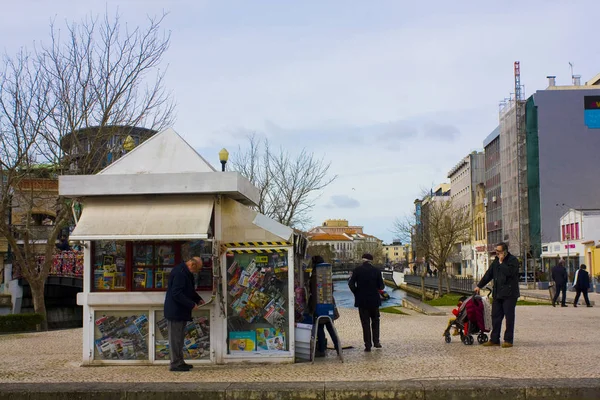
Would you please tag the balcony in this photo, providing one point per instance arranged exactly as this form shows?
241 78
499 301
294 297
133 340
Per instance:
36 233
64 264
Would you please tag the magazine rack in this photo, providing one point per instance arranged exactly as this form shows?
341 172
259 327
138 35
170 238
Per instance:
325 306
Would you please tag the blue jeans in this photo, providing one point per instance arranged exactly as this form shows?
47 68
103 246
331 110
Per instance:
321 343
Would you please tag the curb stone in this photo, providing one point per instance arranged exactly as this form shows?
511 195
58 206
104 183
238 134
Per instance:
417 389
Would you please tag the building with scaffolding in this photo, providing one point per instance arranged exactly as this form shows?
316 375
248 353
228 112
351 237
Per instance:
548 161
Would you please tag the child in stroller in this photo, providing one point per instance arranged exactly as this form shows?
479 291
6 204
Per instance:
473 317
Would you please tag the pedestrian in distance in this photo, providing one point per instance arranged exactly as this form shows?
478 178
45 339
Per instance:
505 273
560 278
581 283
365 284
181 299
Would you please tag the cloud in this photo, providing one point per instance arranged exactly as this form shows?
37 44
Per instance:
438 131
342 201
397 131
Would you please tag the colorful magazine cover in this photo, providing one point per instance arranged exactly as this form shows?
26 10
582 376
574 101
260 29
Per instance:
242 341
264 334
276 343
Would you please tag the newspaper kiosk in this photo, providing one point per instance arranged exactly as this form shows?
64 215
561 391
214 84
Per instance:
152 209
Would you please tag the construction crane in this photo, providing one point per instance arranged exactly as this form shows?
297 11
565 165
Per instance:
522 205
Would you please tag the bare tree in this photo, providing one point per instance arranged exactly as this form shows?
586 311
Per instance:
287 184
435 236
322 250
101 76
374 248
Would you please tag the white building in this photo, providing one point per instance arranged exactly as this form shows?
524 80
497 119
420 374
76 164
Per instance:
464 178
576 228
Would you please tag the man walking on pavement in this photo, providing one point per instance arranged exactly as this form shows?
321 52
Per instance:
560 278
505 273
180 301
365 283
581 283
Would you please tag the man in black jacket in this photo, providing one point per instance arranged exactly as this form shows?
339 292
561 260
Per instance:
560 278
180 301
505 273
582 284
365 283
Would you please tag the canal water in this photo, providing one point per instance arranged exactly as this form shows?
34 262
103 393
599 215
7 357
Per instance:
345 299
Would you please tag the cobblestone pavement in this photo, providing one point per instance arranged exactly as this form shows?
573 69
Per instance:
549 343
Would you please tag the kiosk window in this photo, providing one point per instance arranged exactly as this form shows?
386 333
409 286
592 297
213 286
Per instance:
152 264
257 301
121 335
196 345
109 265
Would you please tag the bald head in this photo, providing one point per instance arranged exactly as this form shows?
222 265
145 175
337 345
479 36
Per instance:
194 264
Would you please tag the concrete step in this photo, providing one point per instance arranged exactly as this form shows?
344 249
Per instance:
421 307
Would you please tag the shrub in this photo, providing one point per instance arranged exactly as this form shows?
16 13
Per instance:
20 322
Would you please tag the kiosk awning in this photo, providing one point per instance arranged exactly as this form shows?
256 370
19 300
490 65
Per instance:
144 218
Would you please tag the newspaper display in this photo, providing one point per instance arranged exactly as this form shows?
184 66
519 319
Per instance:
257 296
196 345
121 337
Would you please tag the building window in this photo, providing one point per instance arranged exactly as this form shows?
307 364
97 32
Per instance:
577 230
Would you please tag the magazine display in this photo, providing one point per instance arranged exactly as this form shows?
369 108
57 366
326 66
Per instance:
196 345
109 265
121 337
257 293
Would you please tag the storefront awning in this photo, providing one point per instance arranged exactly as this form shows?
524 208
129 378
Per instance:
144 218
242 224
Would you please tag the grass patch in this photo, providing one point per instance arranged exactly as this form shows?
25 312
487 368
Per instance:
452 300
448 300
392 310
531 303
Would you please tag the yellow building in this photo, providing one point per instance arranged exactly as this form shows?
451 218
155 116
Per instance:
592 258
397 253
479 239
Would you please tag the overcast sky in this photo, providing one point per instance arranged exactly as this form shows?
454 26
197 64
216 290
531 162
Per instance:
393 93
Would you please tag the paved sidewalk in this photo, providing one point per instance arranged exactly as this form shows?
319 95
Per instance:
550 343
545 294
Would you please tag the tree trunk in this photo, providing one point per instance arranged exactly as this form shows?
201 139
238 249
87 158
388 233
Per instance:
39 302
447 283
440 275
423 298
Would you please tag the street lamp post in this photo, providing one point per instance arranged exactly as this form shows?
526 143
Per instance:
223 157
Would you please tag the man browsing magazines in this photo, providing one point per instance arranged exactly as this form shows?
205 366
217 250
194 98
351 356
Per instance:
181 299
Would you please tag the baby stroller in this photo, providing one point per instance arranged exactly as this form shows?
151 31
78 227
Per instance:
473 317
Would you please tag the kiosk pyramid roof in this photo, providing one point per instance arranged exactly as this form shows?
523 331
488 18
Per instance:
164 153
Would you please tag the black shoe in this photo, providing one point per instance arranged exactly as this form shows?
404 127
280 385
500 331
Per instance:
589 305
181 368
564 305
319 354
367 349
553 304
188 366
574 305
377 345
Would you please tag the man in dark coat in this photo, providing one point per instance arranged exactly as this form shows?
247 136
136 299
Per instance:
365 283
505 273
560 278
180 301
582 284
